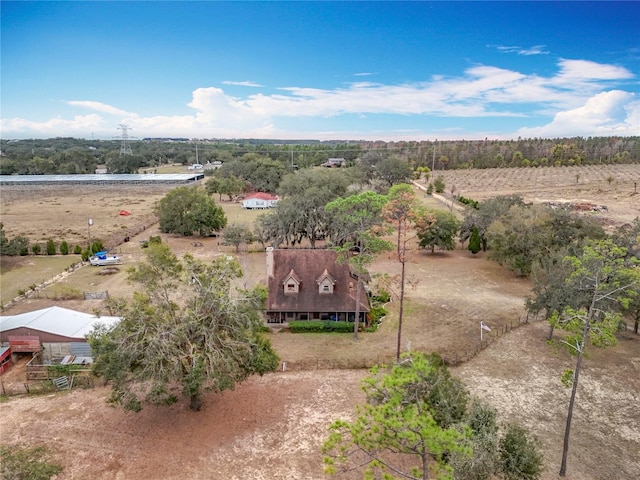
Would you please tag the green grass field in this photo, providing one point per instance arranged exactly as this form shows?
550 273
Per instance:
20 274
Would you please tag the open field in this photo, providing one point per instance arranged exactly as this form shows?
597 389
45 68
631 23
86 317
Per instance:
615 186
271 427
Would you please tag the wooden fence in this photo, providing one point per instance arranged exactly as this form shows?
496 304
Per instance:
463 355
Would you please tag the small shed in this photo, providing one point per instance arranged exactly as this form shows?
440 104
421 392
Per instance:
259 200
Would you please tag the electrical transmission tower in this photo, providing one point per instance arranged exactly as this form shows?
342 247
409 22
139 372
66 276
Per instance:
125 148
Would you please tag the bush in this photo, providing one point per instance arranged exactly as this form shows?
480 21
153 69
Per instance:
438 184
520 457
382 297
467 201
18 246
96 246
51 247
64 248
27 464
320 326
36 248
153 240
77 250
376 313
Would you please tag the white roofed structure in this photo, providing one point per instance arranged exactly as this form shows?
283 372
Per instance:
53 324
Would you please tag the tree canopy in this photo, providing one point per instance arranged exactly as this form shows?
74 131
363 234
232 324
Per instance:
597 286
187 329
418 423
437 228
185 210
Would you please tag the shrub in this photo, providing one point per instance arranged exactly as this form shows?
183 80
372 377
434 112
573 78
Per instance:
77 250
382 297
153 240
438 184
36 248
467 201
376 313
18 246
96 246
86 254
51 247
520 457
64 248
320 326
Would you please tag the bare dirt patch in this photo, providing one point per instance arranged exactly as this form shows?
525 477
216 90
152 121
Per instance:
520 376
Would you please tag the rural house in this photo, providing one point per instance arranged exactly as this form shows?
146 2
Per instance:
259 200
335 163
311 285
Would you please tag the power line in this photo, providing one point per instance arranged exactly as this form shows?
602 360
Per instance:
125 147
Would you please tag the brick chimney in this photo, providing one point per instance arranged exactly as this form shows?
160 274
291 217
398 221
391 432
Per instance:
269 251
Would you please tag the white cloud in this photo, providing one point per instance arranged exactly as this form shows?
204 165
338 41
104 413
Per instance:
608 113
242 84
578 97
55 127
534 50
98 107
572 70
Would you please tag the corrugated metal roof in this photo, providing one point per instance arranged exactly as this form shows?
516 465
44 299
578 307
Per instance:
100 178
57 321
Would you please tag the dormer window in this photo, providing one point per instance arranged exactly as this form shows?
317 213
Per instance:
291 283
326 283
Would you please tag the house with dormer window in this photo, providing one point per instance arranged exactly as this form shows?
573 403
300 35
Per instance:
311 285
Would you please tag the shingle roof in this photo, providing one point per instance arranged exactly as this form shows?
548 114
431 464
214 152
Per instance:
309 265
56 320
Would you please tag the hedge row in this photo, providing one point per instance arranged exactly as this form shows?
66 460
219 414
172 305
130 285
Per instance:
318 326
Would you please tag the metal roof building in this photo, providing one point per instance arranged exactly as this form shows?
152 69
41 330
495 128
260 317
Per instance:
53 324
102 179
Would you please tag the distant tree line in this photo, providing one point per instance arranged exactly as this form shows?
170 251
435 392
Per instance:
75 156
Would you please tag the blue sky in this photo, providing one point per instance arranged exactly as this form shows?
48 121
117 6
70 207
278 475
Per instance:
320 70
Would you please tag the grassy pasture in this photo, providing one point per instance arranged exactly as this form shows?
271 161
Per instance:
21 273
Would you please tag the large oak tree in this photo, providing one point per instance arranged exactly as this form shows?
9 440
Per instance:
187 329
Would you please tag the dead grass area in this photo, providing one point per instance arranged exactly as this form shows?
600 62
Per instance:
272 427
520 376
615 186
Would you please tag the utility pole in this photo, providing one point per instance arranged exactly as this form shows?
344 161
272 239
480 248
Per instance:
433 159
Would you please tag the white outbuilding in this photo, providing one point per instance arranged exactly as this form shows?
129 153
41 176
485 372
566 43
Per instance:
57 331
259 200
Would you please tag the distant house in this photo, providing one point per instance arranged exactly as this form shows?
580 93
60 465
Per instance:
259 200
335 163
311 285
56 331
212 165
